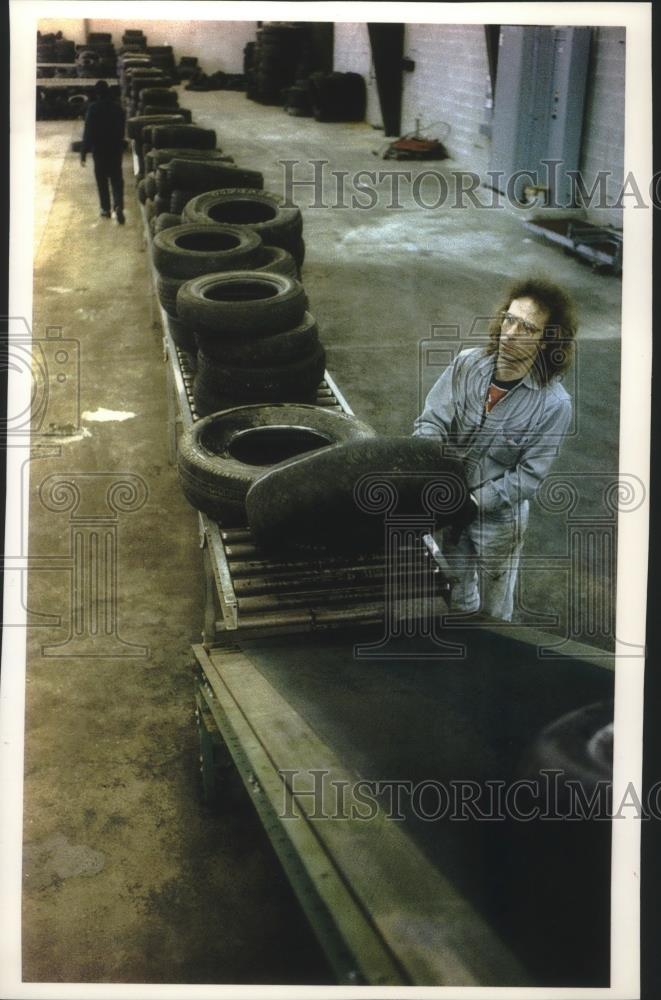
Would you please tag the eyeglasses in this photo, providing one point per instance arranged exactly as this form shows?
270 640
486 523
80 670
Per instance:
509 319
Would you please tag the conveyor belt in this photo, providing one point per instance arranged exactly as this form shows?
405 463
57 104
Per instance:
249 593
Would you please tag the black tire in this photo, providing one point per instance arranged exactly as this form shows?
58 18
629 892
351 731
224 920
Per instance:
142 192
275 260
166 289
186 251
200 176
265 213
161 157
150 209
154 111
242 303
218 386
142 82
182 336
316 503
579 744
159 95
221 456
277 349
179 200
150 185
136 124
166 220
161 204
163 185
191 136
298 253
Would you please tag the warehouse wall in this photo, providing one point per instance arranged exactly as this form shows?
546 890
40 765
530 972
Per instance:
352 54
603 133
73 30
217 44
450 83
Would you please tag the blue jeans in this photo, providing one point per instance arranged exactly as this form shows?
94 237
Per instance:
485 560
108 171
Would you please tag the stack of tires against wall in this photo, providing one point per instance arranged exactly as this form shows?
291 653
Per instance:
187 68
274 62
60 103
97 56
134 40
329 97
51 49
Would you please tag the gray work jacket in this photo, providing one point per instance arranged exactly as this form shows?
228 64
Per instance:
506 453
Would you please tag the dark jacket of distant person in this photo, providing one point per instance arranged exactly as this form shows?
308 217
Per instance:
104 126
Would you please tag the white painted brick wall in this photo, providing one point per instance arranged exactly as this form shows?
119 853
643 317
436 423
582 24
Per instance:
449 84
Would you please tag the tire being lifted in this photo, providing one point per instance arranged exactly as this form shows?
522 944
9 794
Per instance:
242 303
221 456
337 500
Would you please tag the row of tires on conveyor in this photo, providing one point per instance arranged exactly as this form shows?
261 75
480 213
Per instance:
228 266
228 280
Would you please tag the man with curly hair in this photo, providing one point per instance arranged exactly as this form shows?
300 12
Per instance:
504 411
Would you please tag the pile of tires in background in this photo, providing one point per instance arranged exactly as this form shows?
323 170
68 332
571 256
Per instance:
97 56
55 48
280 69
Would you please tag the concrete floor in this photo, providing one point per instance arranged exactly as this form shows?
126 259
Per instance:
128 878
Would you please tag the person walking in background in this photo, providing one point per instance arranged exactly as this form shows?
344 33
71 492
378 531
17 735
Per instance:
504 410
103 137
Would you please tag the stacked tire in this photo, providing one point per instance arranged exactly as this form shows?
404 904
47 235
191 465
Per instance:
222 455
338 97
274 62
298 100
270 216
134 40
135 128
163 57
181 179
182 252
163 134
256 340
97 57
187 68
